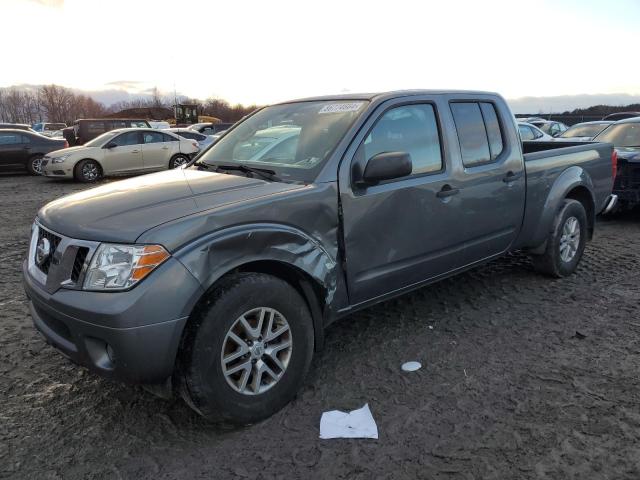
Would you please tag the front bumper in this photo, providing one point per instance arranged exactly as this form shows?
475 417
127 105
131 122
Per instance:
132 336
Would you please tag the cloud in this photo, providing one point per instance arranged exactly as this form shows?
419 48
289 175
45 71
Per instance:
126 84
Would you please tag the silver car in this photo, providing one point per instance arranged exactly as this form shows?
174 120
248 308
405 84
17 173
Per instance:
121 151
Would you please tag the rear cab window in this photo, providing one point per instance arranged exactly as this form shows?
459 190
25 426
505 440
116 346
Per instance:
479 132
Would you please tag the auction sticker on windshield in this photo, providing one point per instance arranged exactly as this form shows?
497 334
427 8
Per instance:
341 107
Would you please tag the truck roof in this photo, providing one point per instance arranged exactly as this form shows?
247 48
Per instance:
389 95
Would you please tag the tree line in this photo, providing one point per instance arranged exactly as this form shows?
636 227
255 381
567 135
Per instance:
53 103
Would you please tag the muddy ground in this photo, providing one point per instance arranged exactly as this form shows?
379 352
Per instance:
523 377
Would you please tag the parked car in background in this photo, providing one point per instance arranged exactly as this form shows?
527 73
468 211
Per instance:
584 132
86 129
118 152
203 140
17 126
530 133
621 116
159 125
549 127
210 128
625 137
47 129
222 276
22 150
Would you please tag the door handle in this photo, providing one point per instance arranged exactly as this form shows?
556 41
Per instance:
135 151
510 176
165 148
447 191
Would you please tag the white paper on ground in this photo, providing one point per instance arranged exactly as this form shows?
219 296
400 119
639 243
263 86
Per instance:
411 366
355 424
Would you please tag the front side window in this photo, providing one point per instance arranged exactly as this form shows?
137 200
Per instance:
318 127
472 134
412 129
129 138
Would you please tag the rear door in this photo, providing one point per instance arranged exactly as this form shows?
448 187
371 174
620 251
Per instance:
156 150
491 183
126 156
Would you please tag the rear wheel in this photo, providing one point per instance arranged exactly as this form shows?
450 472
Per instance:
87 171
246 354
566 241
34 165
178 161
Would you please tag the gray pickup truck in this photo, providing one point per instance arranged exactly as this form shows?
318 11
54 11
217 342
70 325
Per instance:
218 279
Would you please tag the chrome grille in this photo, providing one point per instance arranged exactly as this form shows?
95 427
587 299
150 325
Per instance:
65 265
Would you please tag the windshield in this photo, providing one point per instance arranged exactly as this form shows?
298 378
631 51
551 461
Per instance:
293 139
101 139
622 135
590 130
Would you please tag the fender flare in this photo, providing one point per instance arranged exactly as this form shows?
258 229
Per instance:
572 178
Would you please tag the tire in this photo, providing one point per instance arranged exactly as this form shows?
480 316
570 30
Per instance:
208 342
558 261
34 165
87 171
178 160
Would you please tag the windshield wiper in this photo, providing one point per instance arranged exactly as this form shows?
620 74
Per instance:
263 172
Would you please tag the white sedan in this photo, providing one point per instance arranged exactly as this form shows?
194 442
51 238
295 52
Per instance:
118 152
532 133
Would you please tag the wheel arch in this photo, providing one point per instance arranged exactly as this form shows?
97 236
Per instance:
277 250
573 183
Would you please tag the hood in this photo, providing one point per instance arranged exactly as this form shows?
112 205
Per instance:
65 151
121 211
629 153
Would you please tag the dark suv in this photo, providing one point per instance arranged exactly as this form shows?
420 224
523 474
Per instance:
87 129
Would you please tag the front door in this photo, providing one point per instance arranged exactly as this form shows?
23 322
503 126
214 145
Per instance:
126 154
404 231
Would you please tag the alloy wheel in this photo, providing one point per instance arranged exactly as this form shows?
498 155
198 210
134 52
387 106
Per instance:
570 239
256 351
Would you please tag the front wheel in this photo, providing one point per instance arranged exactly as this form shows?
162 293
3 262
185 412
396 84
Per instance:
178 161
87 171
245 355
566 241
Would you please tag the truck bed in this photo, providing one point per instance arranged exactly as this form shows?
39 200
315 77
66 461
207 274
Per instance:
552 167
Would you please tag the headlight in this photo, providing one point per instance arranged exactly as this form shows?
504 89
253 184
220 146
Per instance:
118 267
60 159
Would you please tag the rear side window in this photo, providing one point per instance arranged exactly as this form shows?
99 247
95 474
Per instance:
96 128
493 129
10 138
169 138
478 132
153 137
412 129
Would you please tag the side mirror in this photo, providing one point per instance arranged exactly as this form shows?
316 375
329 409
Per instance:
110 145
387 166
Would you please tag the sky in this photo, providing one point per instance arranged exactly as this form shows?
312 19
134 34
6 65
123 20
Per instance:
260 52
